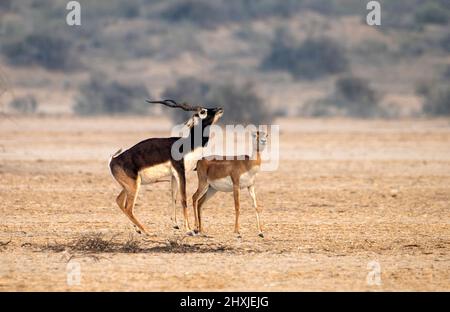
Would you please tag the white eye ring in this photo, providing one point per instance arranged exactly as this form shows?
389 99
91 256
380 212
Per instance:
203 113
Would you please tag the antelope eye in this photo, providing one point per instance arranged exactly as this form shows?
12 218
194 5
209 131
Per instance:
203 113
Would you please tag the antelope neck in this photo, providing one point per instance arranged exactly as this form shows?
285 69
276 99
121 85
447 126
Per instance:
198 136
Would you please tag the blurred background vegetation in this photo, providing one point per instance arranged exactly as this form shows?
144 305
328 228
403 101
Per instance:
258 59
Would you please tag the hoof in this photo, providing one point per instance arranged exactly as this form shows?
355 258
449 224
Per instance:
239 236
176 227
137 230
261 235
190 233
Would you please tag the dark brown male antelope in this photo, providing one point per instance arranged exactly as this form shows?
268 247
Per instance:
229 175
154 159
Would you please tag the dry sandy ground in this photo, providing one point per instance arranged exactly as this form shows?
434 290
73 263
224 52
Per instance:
346 193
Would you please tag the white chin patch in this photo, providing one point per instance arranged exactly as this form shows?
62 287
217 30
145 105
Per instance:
192 122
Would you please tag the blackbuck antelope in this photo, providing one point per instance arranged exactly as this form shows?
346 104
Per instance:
229 175
153 159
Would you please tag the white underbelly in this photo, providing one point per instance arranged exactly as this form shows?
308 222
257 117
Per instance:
222 184
226 184
156 173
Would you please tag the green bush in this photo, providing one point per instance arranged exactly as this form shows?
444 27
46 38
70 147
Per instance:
129 9
432 13
201 13
205 13
100 96
6 5
352 97
355 89
212 13
445 43
413 15
48 50
241 103
107 9
446 73
24 104
436 99
313 59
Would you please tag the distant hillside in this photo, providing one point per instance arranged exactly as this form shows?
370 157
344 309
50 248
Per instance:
310 57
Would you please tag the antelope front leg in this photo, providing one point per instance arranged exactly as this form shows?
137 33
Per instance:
202 188
236 192
187 227
181 181
174 193
210 193
251 191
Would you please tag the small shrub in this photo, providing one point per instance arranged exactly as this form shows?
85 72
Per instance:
124 45
201 13
352 97
446 72
436 99
356 97
205 13
313 59
355 89
414 47
324 7
445 43
371 46
373 52
92 243
241 103
399 15
6 5
100 96
319 108
48 50
432 13
24 105
281 112
423 89
128 9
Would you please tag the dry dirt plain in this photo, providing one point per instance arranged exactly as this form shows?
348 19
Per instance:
346 193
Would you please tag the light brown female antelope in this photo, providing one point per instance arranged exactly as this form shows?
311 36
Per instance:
229 175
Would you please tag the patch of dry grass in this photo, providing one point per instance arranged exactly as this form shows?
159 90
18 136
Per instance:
98 243
94 243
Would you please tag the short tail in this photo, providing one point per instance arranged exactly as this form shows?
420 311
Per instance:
116 153
110 159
